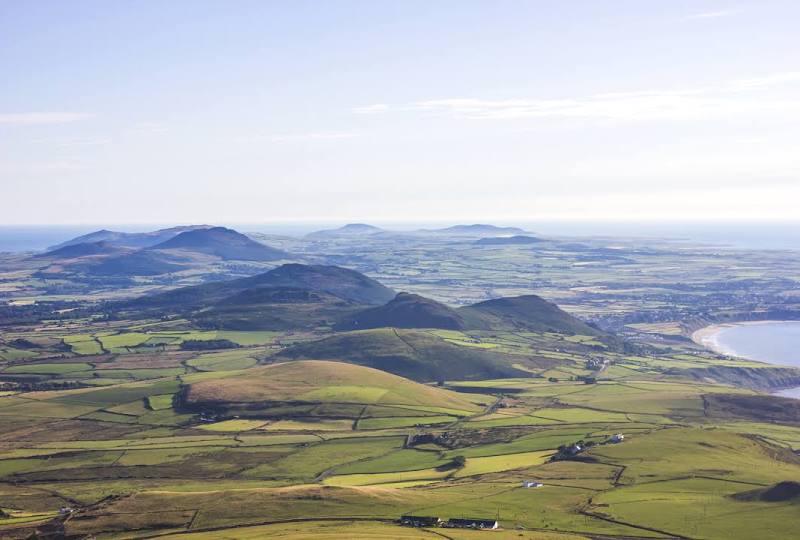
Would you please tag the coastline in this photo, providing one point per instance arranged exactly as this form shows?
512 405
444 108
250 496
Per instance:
708 337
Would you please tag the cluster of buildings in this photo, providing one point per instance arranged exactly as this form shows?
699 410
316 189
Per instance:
597 364
491 524
454 523
528 484
571 450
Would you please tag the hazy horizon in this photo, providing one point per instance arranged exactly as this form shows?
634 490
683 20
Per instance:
351 111
738 234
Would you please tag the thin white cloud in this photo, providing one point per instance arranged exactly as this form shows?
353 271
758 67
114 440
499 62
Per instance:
290 137
743 97
148 127
643 106
34 118
44 168
68 142
757 83
713 14
372 109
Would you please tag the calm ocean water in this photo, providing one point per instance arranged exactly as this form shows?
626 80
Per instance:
773 342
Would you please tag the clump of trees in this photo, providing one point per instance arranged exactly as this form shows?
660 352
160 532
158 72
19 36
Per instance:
456 463
208 344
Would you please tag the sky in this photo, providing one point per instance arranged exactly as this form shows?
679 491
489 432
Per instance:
264 111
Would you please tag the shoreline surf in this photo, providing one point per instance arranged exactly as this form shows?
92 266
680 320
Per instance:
710 338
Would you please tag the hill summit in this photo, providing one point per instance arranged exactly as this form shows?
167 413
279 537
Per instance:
521 313
351 229
406 310
84 249
527 313
222 242
477 229
415 354
129 239
319 381
292 296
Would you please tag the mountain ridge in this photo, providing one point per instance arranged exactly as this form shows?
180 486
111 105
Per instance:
222 242
129 239
476 229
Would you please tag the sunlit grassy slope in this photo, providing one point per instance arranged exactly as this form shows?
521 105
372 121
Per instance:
323 382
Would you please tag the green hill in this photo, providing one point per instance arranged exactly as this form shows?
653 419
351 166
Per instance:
138 263
320 382
525 313
222 242
413 354
86 249
345 284
406 311
130 240
342 282
292 296
522 313
275 308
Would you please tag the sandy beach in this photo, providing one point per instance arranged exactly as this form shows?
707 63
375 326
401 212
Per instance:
708 336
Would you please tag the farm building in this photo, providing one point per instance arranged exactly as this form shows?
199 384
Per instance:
531 484
471 523
618 438
574 449
420 521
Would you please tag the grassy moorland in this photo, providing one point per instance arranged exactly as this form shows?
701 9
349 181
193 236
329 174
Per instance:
347 449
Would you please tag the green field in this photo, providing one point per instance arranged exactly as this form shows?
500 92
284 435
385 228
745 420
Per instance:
145 439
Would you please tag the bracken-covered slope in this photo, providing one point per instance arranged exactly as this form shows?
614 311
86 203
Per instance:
413 354
525 313
276 308
521 313
320 382
224 243
342 282
292 296
406 311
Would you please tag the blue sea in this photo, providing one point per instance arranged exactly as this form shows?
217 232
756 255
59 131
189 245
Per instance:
15 238
774 342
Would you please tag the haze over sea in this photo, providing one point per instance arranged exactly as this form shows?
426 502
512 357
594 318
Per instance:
745 235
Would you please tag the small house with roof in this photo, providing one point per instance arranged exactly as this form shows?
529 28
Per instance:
420 521
473 523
